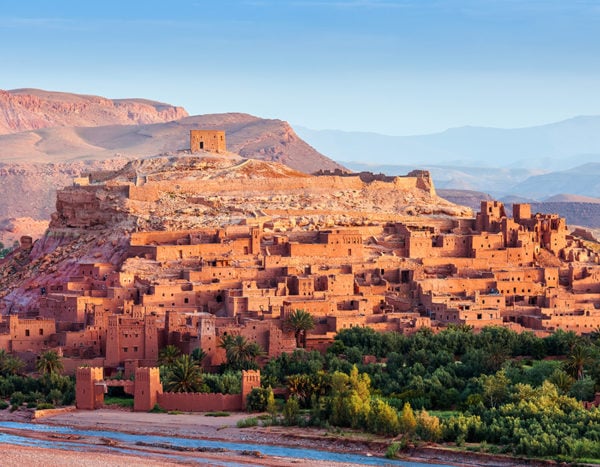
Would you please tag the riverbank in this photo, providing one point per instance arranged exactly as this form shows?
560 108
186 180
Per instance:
200 426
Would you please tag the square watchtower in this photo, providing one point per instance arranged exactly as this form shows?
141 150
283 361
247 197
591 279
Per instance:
208 140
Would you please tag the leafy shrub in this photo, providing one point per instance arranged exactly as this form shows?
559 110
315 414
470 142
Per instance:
17 399
3 405
157 409
291 411
257 400
394 448
45 406
247 422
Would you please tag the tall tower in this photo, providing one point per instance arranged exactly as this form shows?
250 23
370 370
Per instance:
89 390
250 380
147 389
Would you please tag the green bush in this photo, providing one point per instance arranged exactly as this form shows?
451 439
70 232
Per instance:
291 411
247 422
257 400
396 447
157 409
17 399
45 406
3 405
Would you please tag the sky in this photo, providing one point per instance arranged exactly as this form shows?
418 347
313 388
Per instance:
397 67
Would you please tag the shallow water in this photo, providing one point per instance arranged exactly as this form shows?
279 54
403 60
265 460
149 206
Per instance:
268 450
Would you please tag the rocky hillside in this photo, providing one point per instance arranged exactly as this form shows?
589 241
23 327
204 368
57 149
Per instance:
47 138
32 109
94 220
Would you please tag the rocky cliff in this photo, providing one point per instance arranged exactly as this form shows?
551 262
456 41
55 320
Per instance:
32 109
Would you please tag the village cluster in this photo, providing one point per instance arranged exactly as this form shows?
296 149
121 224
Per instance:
525 272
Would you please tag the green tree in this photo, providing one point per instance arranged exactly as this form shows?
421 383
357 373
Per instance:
382 418
291 411
12 365
184 375
562 380
49 363
240 353
428 427
271 404
168 355
495 388
198 355
300 322
407 421
577 359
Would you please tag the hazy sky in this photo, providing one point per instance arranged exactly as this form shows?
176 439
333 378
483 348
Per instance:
390 66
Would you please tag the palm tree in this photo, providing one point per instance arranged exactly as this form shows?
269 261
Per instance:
198 355
299 321
562 381
49 363
595 335
184 376
168 355
240 353
577 360
12 365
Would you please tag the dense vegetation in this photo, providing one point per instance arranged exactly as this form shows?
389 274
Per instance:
46 391
183 373
516 393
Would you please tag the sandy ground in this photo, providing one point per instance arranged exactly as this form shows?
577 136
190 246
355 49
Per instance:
199 426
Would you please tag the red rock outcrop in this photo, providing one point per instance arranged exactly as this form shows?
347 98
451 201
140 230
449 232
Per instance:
31 109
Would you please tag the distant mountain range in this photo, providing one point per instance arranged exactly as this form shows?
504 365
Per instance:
536 162
556 146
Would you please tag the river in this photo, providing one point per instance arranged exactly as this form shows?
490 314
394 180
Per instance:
132 439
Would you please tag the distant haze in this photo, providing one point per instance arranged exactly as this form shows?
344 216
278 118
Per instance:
534 163
555 146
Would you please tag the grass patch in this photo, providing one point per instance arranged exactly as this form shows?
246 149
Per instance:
174 412
247 422
217 414
126 402
157 409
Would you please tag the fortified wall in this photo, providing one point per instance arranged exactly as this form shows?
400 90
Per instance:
147 391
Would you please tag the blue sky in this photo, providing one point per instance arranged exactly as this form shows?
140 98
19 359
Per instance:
390 66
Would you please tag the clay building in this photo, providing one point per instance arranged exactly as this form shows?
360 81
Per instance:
207 140
524 273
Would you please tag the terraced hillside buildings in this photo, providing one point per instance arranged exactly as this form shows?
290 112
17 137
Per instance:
336 246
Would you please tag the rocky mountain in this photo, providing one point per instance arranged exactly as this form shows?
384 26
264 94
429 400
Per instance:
582 180
70 134
32 109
